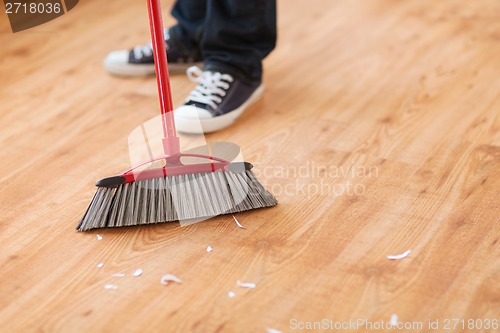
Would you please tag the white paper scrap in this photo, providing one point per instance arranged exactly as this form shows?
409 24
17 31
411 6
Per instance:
138 272
394 320
273 330
119 275
399 256
99 237
209 248
246 284
100 265
238 223
111 286
165 279
231 294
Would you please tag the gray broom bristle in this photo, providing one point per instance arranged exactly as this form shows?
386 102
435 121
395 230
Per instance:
175 198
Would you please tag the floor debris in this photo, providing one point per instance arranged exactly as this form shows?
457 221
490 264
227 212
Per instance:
138 272
246 284
209 249
100 265
111 286
119 275
231 294
394 320
165 279
399 256
99 237
238 222
273 330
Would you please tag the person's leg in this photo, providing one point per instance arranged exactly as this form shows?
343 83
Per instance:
236 36
181 41
190 16
239 34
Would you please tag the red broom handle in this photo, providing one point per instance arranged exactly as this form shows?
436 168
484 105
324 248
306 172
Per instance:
171 144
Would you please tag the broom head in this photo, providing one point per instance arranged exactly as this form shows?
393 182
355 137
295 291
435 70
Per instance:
175 192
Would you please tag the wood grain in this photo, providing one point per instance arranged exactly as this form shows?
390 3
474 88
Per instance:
379 132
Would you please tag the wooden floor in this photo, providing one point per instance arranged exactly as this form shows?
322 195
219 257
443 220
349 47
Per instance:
379 132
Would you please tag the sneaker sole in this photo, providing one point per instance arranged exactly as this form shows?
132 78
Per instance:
136 70
208 125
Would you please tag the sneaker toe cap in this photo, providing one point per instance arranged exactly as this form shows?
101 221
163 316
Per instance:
117 57
191 112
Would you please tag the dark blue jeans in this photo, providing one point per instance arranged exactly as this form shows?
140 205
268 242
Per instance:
233 36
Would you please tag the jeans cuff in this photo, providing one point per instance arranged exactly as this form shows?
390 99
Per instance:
182 42
231 70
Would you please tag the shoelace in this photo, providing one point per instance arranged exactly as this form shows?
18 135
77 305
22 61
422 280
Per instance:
141 51
212 86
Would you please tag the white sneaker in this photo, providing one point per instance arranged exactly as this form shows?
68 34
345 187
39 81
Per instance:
217 101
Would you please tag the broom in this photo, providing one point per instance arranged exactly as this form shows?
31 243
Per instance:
176 191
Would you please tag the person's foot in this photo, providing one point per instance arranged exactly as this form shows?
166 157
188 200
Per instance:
217 101
139 61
